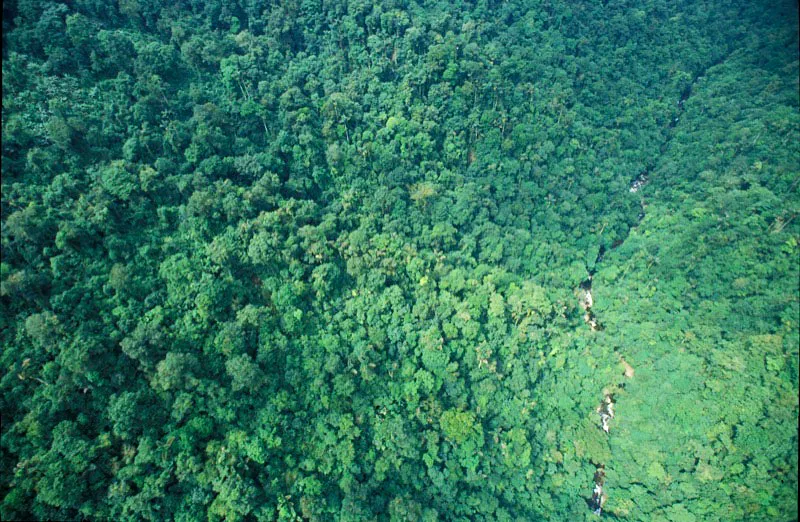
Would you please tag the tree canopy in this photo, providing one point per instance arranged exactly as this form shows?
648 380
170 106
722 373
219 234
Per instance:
400 260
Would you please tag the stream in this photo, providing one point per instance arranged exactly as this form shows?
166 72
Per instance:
605 410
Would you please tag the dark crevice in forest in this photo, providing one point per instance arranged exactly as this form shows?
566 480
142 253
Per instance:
601 254
642 178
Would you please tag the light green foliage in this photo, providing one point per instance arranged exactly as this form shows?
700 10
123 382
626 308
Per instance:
459 425
322 260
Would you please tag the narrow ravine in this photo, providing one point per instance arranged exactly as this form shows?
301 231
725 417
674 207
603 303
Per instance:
605 410
636 184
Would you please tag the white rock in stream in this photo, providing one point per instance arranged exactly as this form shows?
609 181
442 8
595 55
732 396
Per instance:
591 321
638 183
606 411
588 300
598 496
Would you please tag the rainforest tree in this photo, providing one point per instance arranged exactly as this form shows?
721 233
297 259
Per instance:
384 261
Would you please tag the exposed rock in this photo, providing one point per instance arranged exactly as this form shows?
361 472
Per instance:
606 412
639 182
598 496
629 371
586 302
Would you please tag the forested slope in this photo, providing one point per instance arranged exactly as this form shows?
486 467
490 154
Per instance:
702 300
329 261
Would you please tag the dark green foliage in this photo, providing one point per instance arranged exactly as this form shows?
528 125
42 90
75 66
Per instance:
325 261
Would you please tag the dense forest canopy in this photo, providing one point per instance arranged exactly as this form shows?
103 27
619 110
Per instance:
408 260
